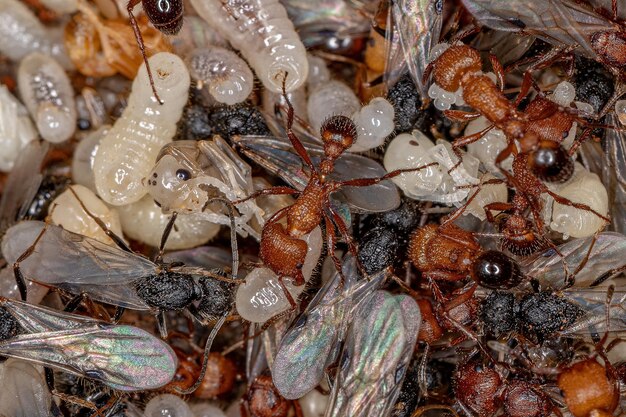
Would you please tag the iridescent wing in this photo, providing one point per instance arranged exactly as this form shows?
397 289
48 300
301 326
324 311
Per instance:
377 352
22 184
311 344
416 26
559 22
607 255
277 156
77 263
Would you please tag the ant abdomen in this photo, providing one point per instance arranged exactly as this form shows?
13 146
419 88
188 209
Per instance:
519 238
338 133
281 252
551 163
165 15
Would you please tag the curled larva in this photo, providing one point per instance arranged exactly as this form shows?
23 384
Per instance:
22 33
262 32
189 173
84 155
48 95
128 151
16 129
67 212
227 77
488 193
144 221
586 188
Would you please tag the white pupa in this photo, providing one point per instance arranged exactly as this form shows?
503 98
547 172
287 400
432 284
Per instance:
227 77
67 212
128 151
262 32
586 188
144 221
16 129
48 95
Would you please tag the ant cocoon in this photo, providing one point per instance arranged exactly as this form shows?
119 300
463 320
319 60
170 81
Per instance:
48 95
127 153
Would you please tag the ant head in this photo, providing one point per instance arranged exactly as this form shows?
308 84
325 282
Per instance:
493 269
338 134
550 162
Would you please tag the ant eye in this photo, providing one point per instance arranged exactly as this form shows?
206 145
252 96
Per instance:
495 270
551 163
183 174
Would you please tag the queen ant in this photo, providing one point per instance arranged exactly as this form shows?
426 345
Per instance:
282 248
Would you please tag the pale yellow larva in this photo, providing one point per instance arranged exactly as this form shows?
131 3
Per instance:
128 151
262 32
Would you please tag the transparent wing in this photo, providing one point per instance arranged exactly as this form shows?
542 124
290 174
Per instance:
312 343
375 357
607 255
123 357
559 22
416 26
77 263
22 184
594 320
277 156
614 173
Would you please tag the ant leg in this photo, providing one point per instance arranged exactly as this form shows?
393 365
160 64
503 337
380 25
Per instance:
366 182
73 304
205 359
297 408
17 272
162 326
133 23
119 311
332 243
496 207
567 202
422 380
461 116
115 238
268 191
292 302
166 234
469 139
458 212
343 230
295 142
448 410
49 377
497 69
234 272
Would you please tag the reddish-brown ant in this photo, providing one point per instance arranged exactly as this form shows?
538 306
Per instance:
282 248
263 400
165 15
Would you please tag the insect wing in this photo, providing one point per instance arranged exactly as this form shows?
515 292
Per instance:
277 156
375 357
614 173
77 263
22 184
123 357
417 26
559 22
312 343
594 319
607 255
24 392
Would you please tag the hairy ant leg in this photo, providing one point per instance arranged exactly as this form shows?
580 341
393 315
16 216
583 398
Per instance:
497 69
461 116
268 191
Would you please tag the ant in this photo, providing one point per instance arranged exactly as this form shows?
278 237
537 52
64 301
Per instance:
165 15
263 400
282 248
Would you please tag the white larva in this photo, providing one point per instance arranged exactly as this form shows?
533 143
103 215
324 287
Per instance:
128 151
261 296
167 405
487 194
586 188
328 99
374 122
83 157
487 148
195 33
66 211
22 33
16 129
227 77
48 95
262 32
144 221
24 390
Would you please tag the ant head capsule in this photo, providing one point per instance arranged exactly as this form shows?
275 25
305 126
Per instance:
551 163
167 183
493 269
338 134
165 15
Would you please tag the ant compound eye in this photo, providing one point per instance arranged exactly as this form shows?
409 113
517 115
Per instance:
551 163
495 270
340 130
182 174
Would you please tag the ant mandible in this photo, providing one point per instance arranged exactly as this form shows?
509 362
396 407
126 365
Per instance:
282 248
165 15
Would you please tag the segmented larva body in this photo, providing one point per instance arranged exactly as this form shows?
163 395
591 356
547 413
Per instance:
22 33
48 95
262 32
128 151
67 212
16 129
227 77
144 221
